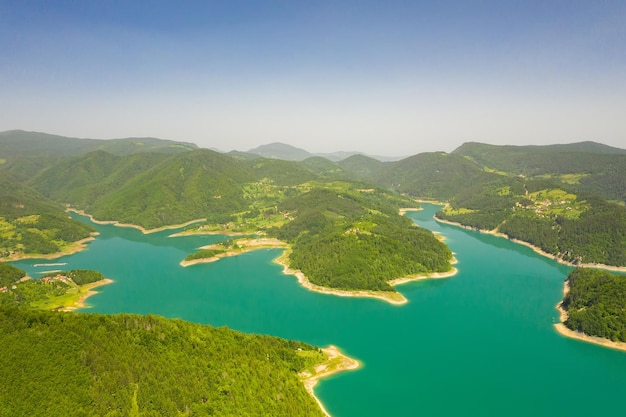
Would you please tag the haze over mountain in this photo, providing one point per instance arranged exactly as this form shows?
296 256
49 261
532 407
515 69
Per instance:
278 150
487 186
385 78
19 143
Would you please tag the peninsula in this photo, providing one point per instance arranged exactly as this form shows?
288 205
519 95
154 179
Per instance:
592 308
57 290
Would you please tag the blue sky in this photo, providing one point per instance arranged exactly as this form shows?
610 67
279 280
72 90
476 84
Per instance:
384 77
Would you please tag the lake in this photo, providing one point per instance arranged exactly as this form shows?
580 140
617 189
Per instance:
481 343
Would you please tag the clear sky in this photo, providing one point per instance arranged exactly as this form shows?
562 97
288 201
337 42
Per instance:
384 77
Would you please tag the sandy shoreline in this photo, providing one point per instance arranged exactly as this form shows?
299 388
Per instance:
213 232
419 277
534 248
391 297
337 362
134 226
249 246
80 303
405 210
565 331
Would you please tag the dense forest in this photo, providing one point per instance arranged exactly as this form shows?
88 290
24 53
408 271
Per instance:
356 240
574 228
31 224
60 364
10 274
596 303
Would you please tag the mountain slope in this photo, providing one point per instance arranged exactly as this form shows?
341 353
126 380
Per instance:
31 224
279 150
183 187
19 143
436 175
587 166
66 364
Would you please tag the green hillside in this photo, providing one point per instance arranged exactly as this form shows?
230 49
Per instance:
281 172
282 151
82 181
574 228
180 188
30 224
349 238
60 364
587 167
10 274
362 167
436 175
19 143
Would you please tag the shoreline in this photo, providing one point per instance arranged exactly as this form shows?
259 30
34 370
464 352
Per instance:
134 226
334 357
71 249
403 210
391 297
80 303
250 246
534 248
420 277
213 232
567 332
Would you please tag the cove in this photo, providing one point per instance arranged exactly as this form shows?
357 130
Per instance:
481 343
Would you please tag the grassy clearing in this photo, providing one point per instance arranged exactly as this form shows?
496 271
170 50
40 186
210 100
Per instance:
461 210
553 195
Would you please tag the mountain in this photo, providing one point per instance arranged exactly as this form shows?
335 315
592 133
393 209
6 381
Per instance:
281 172
586 167
362 167
19 143
432 175
149 190
279 150
476 148
82 180
488 187
183 187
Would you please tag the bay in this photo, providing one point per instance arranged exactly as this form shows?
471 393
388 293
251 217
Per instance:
481 343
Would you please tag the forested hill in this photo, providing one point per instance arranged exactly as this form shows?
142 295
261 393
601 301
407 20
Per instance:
350 239
60 364
595 304
31 224
586 167
554 197
150 190
19 143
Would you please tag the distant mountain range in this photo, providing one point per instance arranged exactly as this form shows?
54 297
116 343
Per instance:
518 190
278 150
19 143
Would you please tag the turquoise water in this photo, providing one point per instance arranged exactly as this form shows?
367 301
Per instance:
481 343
